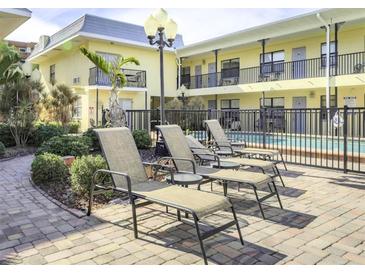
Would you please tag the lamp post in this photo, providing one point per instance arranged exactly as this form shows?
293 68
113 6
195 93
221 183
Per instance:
159 23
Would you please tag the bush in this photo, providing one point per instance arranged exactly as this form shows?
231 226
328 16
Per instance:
142 139
44 132
2 149
66 146
48 169
94 141
5 135
82 171
73 127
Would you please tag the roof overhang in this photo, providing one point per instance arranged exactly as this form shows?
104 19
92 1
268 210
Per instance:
81 38
288 28
11 19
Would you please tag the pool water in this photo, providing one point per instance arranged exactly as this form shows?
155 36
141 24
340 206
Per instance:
354 145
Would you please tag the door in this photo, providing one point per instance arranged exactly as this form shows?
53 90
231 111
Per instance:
127 104
299 114
198 76
299 64
212 76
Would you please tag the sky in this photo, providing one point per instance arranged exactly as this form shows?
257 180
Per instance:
194 24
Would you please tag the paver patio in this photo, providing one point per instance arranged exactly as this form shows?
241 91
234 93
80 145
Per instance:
323 223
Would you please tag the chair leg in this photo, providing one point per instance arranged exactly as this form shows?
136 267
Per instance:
282 159
258 201
225 188
237 225
277 195
278 173
196 222
134 215
91 198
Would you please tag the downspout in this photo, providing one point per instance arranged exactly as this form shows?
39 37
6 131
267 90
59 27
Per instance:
328 32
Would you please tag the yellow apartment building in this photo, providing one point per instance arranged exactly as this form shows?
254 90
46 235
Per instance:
229 72
60 61
281 64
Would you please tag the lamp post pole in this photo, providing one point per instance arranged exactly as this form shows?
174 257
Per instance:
165 27
161 45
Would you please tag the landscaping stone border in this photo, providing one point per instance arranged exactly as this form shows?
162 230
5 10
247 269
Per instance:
76 212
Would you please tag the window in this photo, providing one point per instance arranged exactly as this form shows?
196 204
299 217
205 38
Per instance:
230 104
332 101
230 70
22 49
333 53
274 102
273 62
77 108
52 73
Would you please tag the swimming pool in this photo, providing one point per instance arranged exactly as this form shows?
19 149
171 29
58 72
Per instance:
291 141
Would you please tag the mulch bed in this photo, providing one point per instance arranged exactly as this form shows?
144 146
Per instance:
63 193
12 152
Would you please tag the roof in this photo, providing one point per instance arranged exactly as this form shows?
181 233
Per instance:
103 28
290 26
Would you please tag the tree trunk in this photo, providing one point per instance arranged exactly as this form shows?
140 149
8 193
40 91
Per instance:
117 113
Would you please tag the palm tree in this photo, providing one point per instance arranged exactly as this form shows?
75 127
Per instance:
9 67
60 103
118 80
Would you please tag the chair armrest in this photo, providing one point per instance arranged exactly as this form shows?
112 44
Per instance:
226 146
125 175
215 156
179 159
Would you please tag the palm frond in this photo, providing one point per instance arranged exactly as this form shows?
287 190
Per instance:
123 61
98 60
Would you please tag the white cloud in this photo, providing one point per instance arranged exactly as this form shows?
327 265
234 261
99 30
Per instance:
32 29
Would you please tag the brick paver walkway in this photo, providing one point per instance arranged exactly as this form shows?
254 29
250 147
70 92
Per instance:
323 223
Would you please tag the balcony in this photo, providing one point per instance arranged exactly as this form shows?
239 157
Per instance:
135 78
344 64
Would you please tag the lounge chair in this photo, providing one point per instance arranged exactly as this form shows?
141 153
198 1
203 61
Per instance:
206 155
129 176
226 146
184 161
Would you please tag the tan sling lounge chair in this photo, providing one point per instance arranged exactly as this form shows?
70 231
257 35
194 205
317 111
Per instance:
129 176
184 161
206 155
225 145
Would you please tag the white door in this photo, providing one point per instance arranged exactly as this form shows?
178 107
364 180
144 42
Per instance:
299 64
198 76
212 76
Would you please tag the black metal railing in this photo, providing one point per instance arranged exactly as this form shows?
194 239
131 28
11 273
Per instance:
330 138
343 64
135 78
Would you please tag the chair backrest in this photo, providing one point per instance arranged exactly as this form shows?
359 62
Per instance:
198 149
177 145
121 154
217 132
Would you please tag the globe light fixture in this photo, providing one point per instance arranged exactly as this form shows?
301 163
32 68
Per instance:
27 68
159 24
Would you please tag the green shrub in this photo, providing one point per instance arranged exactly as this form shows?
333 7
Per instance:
90 133
82 171
142 139
66 145
44 132
5 135
48 169
73 127
2 149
